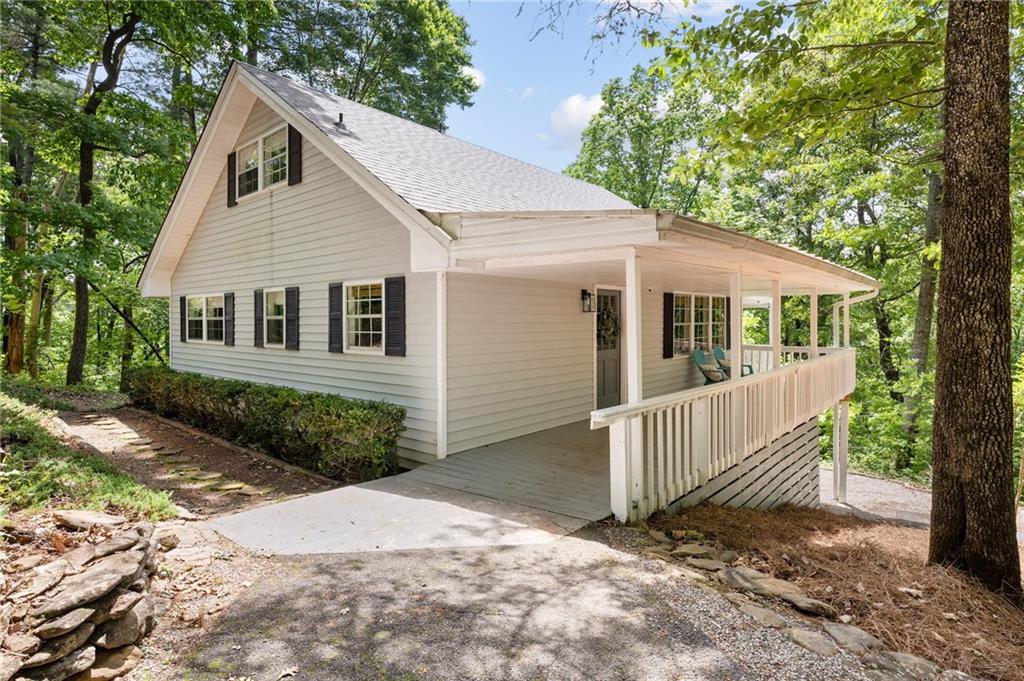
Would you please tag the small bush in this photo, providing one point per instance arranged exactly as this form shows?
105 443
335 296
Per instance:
344 438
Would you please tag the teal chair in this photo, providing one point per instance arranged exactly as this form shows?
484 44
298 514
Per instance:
723 361
712 372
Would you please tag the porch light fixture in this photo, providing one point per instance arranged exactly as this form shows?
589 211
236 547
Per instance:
587 300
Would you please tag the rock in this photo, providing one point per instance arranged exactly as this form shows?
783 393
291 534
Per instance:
9 665
812 641
852 638
28 562
708 564
770 586
763 616
694 550
954 675
809 605
739 579
99 579
85 520
914 666
78 557
846 619
114 605
121 542
126 629
111 664
735 598
6 610
76 662
22 643
659 537
167 538
728 557
43 578
56 648
64 623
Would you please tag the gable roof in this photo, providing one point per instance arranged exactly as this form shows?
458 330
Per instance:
432 171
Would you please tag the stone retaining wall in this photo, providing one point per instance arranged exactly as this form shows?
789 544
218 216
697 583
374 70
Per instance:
79 616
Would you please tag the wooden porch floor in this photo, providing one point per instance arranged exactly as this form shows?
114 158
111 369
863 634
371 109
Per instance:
562 470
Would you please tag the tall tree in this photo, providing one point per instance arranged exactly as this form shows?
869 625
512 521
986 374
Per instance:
973 515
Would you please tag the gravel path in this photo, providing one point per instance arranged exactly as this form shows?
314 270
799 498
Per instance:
890 499
570 609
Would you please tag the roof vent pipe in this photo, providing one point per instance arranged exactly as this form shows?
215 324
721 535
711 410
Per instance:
341 120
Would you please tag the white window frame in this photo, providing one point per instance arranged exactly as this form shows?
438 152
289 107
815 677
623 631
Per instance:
708 324
266 318
359 350
202 297
261 183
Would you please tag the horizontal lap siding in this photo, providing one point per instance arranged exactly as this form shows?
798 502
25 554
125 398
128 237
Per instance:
321 230
520 358
663 376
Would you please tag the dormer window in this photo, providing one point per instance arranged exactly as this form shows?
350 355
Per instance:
263 163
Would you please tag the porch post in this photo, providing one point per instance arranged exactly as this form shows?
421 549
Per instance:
840 449
835 325
634 434
846 319
814 323
739 410
776 324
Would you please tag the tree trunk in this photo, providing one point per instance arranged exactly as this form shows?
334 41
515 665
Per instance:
35 313
921 345
885 360
127 348
973 523
114 44
48 316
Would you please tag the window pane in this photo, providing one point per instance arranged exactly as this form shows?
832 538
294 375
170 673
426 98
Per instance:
195 329
364 307
275 331
195 308
248 159
215 329
275 157
275 304
214 307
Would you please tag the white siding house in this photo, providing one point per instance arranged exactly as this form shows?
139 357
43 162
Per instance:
321 244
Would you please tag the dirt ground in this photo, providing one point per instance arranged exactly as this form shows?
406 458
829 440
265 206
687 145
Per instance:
262 481
876 574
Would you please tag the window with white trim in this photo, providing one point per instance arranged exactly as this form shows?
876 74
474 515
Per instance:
205 319
699 322
364 316
273 317
263 162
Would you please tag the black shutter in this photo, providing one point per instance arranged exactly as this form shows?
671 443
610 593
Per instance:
183 318
229 319
668 311
257 318
294 156
335 317
232 180
394 316
291 318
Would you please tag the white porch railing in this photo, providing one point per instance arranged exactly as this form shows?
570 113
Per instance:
663 447
759 357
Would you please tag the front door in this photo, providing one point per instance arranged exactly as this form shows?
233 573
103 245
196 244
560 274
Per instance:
609 372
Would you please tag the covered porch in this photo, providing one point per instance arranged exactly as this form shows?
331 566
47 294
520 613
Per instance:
610 334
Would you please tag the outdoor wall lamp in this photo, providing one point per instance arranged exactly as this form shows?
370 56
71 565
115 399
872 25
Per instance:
587 300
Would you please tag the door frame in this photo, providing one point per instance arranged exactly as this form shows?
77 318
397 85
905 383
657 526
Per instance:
593 344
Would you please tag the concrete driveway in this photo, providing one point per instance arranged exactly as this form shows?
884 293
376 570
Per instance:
563 609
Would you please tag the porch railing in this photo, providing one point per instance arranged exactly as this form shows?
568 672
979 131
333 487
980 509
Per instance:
759 357
663 447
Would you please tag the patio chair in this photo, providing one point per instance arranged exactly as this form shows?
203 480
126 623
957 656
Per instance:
712 372
724 362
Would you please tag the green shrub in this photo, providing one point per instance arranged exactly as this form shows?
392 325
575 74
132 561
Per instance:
344 438
37 471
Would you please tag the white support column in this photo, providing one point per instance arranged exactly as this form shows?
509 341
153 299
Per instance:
835 325
441 294
739 406
621 485
814 323
775 325
634 383
840 449
846 319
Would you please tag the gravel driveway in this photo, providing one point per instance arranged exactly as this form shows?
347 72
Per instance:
568 609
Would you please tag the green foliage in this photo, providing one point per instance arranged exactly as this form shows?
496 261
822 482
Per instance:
344 438
39 471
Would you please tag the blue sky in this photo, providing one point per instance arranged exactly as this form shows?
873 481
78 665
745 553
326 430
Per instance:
537 94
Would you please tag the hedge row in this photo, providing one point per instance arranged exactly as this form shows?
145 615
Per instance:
344 438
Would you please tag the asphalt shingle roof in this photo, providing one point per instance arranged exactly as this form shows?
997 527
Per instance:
434 171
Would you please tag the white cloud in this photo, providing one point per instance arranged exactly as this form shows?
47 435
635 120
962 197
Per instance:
572 115
476 74
527 92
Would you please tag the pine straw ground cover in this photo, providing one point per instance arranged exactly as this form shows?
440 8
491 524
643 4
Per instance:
877 574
